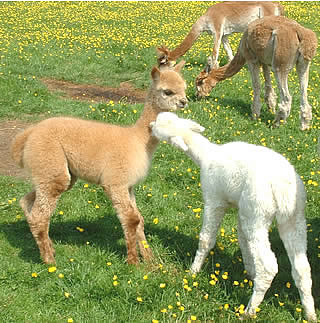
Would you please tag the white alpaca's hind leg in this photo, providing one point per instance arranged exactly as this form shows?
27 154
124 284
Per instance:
211 223
265 266
294 236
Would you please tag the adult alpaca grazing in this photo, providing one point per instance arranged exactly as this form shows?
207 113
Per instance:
57 151
263 185
271 41
221 20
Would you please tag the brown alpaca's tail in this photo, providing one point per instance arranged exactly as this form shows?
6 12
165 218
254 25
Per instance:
308 43
17 146
231 68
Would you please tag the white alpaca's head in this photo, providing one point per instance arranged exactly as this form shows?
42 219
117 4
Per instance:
173 129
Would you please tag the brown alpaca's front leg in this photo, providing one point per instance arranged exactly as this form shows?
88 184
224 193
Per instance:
144 247
129 218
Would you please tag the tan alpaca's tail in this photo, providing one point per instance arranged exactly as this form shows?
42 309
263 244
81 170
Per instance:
17 146
308 43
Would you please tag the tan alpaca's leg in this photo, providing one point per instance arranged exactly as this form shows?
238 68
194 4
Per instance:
215 51
285 97
270 96
38 206
27 201
129 218
144 247
227 47
305 108
256 104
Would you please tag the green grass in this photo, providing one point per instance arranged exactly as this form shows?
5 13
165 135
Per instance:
106 43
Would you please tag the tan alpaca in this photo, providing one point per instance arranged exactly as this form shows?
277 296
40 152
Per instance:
221 20
59 150
271 41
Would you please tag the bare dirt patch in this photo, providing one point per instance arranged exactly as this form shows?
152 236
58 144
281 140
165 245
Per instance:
96 93
92 93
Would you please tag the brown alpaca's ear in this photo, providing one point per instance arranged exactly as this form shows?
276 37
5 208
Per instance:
179 66
155 74
163 56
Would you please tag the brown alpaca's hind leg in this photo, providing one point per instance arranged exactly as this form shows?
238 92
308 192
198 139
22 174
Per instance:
38 207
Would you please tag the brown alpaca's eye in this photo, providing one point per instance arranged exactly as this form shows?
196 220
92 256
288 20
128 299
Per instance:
168 92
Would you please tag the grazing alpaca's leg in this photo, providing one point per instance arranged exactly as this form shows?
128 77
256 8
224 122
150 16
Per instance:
246 255
211 223
141 238
285 97
270 96
256 104
227 47
305 108
293 233
216 46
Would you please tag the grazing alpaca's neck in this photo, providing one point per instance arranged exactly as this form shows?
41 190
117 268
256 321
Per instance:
228 70
186 43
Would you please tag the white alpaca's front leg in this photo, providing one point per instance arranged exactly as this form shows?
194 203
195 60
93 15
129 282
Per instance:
211 223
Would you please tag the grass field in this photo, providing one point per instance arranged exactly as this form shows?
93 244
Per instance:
105 43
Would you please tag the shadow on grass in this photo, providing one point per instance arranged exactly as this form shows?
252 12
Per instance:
106 233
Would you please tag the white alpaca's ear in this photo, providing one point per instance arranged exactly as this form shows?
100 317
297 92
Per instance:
178 142
192 125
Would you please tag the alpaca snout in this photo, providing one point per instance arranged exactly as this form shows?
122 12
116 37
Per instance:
182 103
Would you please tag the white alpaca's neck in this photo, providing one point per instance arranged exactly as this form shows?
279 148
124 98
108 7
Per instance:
198 147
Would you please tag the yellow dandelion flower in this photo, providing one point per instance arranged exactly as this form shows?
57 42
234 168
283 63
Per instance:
34 275
66 295
61 275
70 320
139 299
145 277
52 269
162 285
298 309
115 283
288 285
156 221
164 310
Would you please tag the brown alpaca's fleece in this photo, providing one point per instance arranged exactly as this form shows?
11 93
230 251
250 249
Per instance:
271 41
221 20
59 150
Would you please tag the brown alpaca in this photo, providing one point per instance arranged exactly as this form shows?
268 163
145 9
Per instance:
57 151
271 41
221 20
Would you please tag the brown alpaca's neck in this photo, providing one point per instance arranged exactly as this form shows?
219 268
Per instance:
142 126
186 43
228 70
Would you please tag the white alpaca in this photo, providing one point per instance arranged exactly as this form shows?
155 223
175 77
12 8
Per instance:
262 184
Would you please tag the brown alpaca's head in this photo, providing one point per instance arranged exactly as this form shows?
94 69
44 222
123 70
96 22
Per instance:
169 88
205 82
